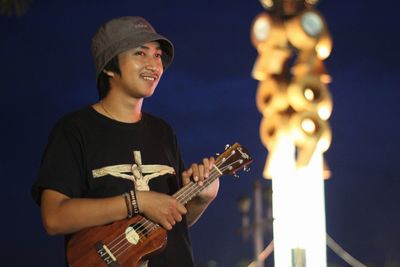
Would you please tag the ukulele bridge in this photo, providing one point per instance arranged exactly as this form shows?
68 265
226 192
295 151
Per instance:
106 255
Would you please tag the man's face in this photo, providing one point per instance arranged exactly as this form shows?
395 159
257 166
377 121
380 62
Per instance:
141 69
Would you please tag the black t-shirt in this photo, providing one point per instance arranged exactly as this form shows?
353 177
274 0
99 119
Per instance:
89 155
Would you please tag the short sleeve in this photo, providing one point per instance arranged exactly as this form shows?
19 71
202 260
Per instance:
179 163
62 163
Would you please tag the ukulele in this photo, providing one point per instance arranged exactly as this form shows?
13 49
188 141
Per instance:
127 242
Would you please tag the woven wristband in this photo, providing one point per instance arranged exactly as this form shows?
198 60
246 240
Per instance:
135 206
128 203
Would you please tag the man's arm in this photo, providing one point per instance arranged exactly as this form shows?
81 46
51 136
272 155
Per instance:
64 215
199 204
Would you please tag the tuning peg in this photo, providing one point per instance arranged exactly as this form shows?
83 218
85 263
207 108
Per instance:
227 146
217 154
235 175
246 169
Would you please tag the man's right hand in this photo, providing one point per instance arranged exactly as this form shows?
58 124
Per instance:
160 208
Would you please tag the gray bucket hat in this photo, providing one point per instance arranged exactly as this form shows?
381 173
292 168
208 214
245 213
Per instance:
124 33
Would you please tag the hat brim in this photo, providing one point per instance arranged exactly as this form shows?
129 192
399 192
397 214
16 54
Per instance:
136 41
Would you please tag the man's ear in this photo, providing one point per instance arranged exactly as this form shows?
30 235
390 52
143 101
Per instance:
109 73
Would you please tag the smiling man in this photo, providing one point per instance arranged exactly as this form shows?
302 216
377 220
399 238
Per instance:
110 161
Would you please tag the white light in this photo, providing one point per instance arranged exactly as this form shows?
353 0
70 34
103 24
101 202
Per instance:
282 169
312 205
261 29
324 113
312 24
308 126
267 3
323 51
309 94
298 207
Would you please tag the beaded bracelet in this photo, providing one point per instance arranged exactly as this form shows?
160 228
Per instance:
135 206
128 203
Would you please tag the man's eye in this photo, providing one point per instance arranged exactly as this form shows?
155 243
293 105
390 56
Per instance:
139 53
158 55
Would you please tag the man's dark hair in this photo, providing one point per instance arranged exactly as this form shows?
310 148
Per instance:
103 82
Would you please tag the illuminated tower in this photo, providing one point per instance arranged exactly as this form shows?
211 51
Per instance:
292 41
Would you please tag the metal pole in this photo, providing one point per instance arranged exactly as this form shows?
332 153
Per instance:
258 225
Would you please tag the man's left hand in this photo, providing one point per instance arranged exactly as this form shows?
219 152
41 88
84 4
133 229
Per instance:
200 173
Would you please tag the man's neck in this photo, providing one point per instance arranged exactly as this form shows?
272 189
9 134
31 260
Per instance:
128 110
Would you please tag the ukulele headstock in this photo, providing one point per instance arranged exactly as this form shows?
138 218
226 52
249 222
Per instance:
234 158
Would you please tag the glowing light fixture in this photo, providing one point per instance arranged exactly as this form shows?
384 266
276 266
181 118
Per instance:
308 93
295 127
312 23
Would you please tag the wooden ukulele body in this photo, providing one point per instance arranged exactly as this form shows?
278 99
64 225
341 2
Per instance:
113 244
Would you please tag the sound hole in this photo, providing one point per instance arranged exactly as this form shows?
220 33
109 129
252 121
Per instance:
134 232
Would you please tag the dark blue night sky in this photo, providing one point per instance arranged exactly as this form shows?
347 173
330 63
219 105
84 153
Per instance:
208 96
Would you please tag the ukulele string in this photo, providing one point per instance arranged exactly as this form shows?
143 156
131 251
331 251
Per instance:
146 226
141 227
145 230
191 188
127 245
195 188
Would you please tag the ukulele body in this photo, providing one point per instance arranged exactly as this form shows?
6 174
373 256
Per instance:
120 244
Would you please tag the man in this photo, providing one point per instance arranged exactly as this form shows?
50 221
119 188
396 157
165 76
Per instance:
97 155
